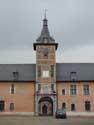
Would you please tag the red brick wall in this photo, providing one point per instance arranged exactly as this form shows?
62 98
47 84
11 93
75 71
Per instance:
23 97
79 99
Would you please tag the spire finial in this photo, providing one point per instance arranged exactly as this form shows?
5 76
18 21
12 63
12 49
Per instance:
45 13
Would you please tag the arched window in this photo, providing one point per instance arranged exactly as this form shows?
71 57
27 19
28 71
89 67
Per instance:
72 107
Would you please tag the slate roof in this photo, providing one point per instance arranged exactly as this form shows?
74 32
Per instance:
84 71
45 34
27 72
45 38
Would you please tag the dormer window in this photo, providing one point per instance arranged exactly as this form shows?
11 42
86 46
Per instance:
15 75
73 76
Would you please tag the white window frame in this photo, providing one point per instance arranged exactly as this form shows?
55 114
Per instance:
14 89
65 91
45 74
83 90
76 90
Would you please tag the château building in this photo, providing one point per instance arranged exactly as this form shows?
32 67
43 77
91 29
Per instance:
46 86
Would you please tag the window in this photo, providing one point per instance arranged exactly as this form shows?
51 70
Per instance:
46 73
15 75
87 106
72 107
39 87
63 105
52 87
39 71
63 91
52 71
73 90
73 76
45 51
86 89
2 105
12 88
11 106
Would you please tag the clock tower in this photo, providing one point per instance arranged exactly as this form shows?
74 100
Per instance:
45 94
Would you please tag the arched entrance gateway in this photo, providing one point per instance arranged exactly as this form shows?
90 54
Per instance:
45 106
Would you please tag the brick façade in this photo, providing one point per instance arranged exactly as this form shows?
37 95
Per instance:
27 97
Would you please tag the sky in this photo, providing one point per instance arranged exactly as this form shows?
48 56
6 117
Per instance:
70 22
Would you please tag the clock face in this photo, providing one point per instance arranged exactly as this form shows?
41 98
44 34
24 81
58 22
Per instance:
46 51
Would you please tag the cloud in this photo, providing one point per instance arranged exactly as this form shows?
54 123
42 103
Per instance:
71 23
78 54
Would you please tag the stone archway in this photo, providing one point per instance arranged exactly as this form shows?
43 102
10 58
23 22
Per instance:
45 106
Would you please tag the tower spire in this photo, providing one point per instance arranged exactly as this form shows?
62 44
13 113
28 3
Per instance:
45 19
45 38
45 13
45 34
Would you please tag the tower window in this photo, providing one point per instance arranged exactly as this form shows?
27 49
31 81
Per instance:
87 106
39 71
52 71
12 88
46 73
72 107
39 87
45 51
52 87
11 106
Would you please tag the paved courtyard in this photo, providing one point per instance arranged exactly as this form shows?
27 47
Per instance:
29 120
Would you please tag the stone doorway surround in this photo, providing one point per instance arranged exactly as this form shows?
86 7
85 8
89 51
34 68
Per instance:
45 106
49 101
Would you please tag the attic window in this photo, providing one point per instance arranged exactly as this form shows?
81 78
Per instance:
73 76
15 75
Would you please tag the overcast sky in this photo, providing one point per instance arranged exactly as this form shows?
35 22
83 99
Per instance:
71 23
